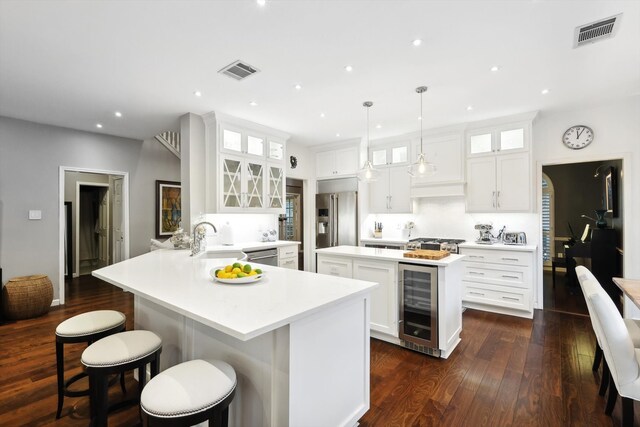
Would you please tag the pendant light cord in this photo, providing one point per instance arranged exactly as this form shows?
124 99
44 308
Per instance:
421 120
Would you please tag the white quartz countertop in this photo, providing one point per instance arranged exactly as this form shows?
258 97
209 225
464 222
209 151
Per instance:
385 240
178 282
499 246
385 255
253 246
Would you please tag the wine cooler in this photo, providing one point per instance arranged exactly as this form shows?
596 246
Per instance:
419 308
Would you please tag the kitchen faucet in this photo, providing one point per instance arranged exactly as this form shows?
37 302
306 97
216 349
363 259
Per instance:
199 234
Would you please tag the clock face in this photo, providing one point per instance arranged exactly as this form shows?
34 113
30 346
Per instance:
577 137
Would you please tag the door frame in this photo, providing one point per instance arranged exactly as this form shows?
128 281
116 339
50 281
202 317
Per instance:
626 194
77 222
125 213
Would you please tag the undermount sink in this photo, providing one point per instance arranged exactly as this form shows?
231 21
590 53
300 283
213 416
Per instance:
222 254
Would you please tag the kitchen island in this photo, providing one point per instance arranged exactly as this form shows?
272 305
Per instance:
385 266
298 341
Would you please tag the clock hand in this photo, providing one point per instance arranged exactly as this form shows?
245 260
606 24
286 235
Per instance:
579 133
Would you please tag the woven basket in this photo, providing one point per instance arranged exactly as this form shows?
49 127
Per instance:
27 296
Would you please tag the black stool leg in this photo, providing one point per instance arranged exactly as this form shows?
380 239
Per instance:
124 389
604 383
597 358
102 401
627 412
60 371
155 366
611 399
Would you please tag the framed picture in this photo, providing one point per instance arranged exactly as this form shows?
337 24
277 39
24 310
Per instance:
168 207
611 192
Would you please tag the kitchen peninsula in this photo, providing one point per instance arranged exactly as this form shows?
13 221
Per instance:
298 341
418 303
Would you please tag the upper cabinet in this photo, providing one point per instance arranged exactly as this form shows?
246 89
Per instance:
499 168
245 166
337 163
391 155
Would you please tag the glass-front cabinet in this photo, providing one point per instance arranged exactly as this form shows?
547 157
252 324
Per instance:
239 141
276 187
495 140
242 183
390 154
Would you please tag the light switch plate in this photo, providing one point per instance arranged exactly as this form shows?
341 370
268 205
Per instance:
35 214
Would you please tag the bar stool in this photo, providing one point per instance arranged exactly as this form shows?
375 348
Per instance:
116 353
188 394
86 327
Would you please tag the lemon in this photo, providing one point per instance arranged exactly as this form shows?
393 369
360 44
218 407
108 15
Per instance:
233 276
258 271
228 269
247 268
217 271
236 270
253 273
220 274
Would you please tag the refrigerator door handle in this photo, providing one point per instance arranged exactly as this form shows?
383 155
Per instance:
334 206
331 220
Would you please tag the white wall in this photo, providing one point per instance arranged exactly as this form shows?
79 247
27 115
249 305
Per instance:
30 157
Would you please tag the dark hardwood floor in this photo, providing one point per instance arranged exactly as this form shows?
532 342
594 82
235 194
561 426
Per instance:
506 371
564 297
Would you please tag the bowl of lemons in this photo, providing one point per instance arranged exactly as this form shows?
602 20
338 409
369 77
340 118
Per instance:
236 273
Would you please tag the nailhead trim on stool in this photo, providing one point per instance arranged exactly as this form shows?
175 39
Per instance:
118 353
189 393
86 327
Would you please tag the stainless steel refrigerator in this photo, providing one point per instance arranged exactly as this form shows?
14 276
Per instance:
336 219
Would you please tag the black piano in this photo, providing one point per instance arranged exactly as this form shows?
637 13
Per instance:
602 252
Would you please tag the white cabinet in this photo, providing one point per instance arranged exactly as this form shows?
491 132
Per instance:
242 183
384 299
446 152
395 154
391 192
288 256
499 183
498 280
275 186
335 163
335 266
505 139
235 140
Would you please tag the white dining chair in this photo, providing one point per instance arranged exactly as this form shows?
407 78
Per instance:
621 356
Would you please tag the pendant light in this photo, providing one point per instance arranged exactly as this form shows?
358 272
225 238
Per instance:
368 173
421 168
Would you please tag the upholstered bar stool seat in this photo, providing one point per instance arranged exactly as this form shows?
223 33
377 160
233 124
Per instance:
86 327
117 353
189 393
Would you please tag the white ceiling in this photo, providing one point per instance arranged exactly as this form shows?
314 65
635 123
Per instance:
73 63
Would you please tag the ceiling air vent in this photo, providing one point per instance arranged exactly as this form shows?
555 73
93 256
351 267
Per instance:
596 31
238 70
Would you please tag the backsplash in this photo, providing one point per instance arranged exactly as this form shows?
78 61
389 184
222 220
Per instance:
446 217
246 227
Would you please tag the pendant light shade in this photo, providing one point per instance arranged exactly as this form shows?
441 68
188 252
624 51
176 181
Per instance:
421 168
368 173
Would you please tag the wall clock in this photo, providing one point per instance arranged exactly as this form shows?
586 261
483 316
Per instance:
577 137
294 161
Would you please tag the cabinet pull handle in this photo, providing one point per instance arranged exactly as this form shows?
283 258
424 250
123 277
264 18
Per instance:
476 273
510 277
511 298
498 198
476 293
510 259
475 256
390 204
493 198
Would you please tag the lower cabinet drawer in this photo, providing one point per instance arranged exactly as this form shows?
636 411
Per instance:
291 263
340 267
497 274
500 296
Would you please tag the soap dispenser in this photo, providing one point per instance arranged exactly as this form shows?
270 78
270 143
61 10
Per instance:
226 234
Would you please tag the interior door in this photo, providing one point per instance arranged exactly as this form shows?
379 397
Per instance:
103 229
117 230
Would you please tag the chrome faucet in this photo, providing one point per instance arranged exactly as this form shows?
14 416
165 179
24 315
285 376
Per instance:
199 234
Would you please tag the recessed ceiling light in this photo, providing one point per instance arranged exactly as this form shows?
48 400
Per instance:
197 93
298 87
469 107
117 114
322 115
253 103
495 68
544 91
349 68
416 42
99 125
378 126
261 2
338 135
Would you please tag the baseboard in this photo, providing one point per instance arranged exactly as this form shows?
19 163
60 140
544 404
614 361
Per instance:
55 302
